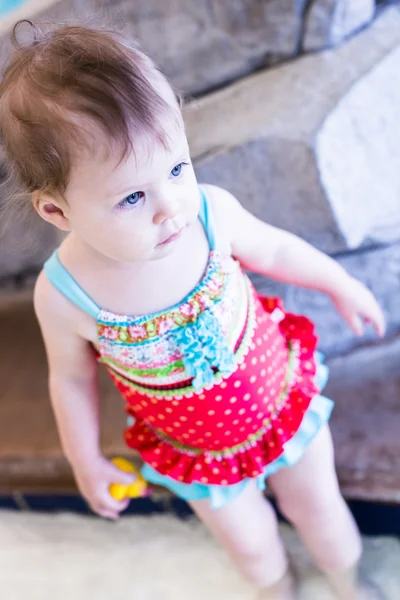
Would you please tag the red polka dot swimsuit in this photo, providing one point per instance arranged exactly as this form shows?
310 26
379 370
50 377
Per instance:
217 385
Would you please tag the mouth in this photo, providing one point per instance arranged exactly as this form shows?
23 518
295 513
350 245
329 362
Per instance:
172 238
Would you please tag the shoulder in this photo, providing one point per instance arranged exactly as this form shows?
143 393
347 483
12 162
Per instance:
50 305
56 313
226 211
45 298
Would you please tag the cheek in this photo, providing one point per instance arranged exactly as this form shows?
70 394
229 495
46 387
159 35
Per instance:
195 203
133 234
190 197
137 239
116 235
126 246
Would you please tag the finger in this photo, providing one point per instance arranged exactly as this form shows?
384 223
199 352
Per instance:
108 514
123 504
379 326
110 507
377 319
116 475
108 502
357 325
380 322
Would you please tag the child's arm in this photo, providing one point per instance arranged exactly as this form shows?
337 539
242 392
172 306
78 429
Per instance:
283 256
75 398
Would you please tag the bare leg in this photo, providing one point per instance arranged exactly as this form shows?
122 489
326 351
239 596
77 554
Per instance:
247 528
308 495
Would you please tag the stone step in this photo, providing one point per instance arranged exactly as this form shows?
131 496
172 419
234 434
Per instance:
30 453
365 385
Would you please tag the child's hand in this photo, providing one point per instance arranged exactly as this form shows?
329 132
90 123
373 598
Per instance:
356 303
94 479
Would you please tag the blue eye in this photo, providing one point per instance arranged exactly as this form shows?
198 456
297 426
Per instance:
131 200
177 170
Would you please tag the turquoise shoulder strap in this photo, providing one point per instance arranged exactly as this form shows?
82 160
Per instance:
66 284
206 217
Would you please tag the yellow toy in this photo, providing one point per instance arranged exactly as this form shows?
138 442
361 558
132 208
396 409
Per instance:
137 489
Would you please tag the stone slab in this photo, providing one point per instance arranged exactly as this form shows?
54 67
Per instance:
311 146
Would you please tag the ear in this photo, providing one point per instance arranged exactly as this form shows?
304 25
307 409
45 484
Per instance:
52 210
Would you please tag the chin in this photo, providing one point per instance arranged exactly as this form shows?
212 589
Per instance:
163 251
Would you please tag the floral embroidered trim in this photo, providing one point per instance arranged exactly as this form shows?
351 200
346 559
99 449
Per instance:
189 391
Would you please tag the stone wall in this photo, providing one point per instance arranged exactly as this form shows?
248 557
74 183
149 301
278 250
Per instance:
203 44
310 145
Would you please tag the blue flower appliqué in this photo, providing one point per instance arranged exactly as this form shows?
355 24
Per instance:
204 348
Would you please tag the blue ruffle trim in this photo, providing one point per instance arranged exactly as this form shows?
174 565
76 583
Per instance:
317 415
203 347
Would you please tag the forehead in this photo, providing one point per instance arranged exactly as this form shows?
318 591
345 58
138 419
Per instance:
103 160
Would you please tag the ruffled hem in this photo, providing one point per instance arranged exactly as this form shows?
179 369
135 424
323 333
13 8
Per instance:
316 417
251 459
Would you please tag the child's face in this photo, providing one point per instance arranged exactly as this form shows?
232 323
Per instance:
137 209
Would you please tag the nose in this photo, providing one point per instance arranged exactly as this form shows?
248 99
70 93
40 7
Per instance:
166 206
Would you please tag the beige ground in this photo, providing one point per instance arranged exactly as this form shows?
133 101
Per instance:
72 557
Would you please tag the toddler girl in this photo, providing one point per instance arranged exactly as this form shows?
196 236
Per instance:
221 385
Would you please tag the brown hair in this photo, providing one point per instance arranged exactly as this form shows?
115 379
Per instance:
63 75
